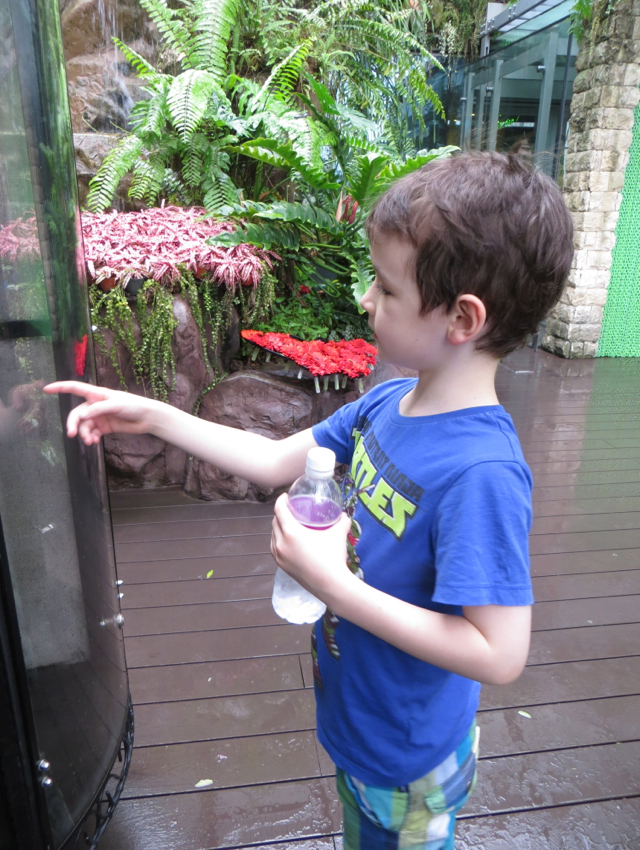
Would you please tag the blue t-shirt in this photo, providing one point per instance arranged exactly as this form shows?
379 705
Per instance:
441 509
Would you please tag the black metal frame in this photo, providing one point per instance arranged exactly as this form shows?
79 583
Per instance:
23 799
103 807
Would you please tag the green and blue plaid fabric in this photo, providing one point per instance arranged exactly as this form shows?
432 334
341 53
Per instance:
418 816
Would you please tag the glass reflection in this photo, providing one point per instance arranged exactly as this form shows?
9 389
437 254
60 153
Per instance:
53 499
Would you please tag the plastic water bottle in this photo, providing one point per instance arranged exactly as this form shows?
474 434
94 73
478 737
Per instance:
315 500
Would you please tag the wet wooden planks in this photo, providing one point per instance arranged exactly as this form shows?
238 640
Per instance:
226 754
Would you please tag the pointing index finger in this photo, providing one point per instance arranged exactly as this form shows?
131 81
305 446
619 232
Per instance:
88 391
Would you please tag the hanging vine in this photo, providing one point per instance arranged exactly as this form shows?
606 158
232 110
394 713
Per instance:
256 304
152 357
111 311
156 361
189 287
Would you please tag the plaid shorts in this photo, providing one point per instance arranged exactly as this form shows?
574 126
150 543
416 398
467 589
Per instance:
419 816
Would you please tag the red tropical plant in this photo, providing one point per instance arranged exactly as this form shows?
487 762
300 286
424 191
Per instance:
353 358
154 244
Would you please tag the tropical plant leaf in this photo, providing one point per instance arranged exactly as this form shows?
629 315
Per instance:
173 32
214 20
282 155
192 163
148 177
361 183
362 276
393 171
143 69
304 215
325 99
158 114
284 77
218 187
262 234
115 165
188 99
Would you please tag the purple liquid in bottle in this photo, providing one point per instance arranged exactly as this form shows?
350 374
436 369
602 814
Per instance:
318 515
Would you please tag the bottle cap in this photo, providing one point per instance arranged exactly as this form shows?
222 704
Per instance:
320 463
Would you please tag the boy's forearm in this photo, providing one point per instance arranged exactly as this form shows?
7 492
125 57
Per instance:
447 641
266 462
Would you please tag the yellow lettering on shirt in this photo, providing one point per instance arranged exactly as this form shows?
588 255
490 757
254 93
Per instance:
401 509
378 503
385 504
362 469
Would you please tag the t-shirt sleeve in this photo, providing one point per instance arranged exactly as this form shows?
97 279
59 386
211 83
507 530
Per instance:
336 432
482 537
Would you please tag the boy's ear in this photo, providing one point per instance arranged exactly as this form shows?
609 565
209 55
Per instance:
467 318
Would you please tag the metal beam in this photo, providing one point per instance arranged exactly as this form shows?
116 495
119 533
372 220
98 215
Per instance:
512 13
544 107
494 113
467 112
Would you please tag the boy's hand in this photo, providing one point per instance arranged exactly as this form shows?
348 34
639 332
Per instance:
104 411
316 559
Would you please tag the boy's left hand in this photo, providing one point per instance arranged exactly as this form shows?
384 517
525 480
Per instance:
316 559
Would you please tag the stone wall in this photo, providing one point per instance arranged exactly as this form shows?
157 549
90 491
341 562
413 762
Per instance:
600 130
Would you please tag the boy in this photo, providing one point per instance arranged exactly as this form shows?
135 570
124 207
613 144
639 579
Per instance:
426 577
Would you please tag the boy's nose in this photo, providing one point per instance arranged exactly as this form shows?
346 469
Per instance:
367 301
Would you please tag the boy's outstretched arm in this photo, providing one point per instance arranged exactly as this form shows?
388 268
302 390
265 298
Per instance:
489 643
268 463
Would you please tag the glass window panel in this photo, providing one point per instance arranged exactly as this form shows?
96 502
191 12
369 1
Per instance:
53 499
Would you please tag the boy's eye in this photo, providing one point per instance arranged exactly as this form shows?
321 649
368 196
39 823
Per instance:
381 288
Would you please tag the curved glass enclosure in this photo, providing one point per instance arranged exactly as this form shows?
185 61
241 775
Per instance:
61 641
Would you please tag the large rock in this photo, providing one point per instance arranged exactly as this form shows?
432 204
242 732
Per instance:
270 405
102 87
145 461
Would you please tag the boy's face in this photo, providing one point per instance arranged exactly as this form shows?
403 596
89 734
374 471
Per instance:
403 336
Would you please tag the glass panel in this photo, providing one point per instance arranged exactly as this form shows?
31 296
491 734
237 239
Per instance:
540 17
521 92
53 498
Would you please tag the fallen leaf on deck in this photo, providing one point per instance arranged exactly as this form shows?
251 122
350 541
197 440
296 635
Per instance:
524 714
210 573
203 783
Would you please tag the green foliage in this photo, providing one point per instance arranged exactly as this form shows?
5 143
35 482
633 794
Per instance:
150 351
324 244
290 117
454 27
111 311
588 18
213 21
323 78
155 358
115 165
321 313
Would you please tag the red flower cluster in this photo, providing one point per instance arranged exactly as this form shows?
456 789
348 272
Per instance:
354 357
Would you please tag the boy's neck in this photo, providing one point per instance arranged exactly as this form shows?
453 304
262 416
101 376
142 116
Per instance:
456 386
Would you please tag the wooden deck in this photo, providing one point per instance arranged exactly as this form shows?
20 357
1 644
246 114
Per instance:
223 689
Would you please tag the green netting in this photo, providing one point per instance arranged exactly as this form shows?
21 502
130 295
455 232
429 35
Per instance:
621 322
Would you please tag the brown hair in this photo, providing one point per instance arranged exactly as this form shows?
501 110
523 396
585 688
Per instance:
486 224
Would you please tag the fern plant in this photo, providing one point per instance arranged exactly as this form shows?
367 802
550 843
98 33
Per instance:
323 243
181 133
184 143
